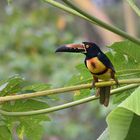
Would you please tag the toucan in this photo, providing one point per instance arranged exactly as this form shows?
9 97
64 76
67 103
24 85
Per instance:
97 63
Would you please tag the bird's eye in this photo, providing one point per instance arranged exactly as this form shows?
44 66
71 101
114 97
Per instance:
87 46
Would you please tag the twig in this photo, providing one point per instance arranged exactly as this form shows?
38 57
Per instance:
64 106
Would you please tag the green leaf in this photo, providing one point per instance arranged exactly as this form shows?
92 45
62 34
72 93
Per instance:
11 86
28 126
104 135
118 98
36 87
133 5
24 105
83 76
30 130
124 56
5 133
40 87
124 121
79 94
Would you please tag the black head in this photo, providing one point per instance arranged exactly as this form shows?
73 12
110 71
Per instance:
91 49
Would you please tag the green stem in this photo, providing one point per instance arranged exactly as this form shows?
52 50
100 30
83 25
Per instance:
103 24
66 89
134 7
128 70
92 19
64 106
129 74
67 9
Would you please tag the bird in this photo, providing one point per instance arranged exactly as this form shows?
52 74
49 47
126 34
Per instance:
98 64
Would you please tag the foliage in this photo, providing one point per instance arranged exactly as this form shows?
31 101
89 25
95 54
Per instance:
18 84
24 125
123 122
24 40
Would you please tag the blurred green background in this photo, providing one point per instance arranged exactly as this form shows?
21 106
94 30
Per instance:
30 31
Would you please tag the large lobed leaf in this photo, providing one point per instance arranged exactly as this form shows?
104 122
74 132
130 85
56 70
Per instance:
125 55
11 85
124 121
24 124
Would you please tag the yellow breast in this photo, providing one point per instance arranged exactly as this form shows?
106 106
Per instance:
95 65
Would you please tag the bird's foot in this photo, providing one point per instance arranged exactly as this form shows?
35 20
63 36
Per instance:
93 85
117 82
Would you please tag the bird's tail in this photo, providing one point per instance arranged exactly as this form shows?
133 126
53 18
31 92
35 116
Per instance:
104 93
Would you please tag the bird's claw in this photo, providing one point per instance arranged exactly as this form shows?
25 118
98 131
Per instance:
117 82
93 85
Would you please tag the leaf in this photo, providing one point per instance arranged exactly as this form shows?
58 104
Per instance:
11 86
24 105
36 87
79 94
124 121
83 76
104 135
124 56
40 87
118 98
33 130
134 6
27 125
5 133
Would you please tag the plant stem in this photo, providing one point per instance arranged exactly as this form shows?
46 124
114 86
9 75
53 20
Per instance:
128 70
64 106
134 7
67 9
103 24
92 19
129 74
66 89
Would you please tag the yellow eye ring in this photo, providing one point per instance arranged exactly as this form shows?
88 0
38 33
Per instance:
87 46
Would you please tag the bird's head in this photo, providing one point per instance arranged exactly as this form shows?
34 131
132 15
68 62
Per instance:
87 48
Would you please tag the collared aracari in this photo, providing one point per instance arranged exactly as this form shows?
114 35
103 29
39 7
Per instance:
97 63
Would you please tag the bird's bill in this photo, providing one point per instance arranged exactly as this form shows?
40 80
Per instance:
75 48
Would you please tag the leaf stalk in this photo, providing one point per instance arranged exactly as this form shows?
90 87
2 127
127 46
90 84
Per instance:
80 13
67 105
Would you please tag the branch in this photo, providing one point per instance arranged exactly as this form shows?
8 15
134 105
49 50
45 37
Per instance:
92 19
65 89
64 106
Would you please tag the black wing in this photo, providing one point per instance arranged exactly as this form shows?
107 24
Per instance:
104 59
